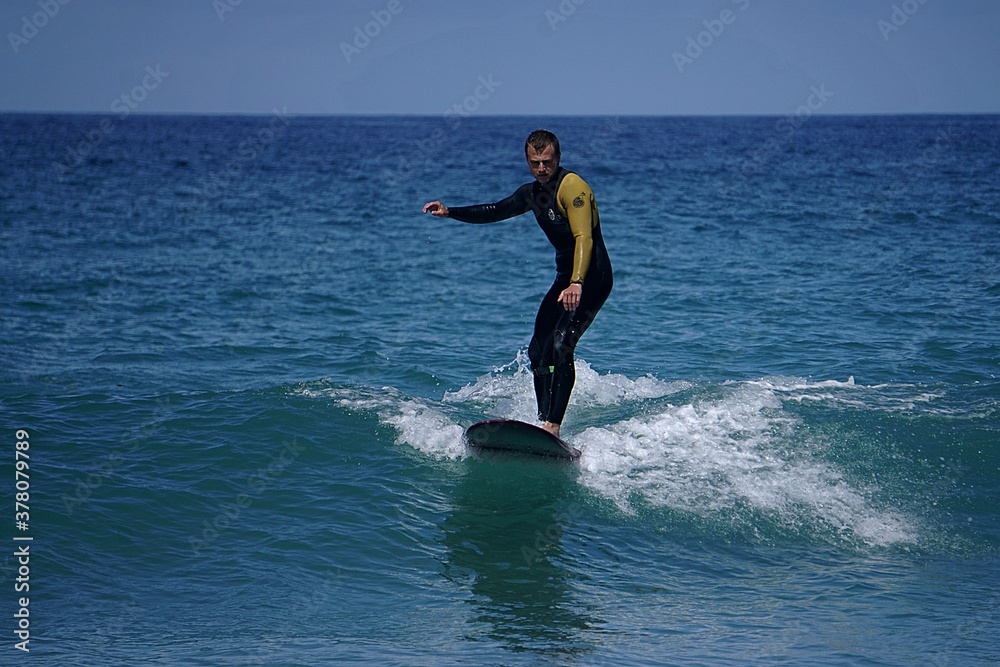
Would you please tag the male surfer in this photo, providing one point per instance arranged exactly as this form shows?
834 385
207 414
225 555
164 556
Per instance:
565 209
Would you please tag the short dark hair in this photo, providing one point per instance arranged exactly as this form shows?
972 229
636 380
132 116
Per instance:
539 139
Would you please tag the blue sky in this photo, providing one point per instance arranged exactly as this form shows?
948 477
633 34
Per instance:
612 57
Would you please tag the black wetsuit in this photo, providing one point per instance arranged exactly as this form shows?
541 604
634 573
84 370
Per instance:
567 212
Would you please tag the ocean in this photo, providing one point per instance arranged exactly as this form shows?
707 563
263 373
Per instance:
237 362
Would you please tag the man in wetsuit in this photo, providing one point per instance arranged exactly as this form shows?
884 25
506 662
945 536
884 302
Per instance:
565 209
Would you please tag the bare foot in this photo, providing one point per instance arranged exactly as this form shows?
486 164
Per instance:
551 428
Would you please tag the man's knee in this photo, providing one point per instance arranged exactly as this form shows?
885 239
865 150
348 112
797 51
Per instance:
535 357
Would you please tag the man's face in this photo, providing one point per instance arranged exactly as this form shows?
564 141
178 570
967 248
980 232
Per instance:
543 163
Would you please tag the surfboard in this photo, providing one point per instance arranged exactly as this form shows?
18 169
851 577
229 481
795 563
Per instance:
509 435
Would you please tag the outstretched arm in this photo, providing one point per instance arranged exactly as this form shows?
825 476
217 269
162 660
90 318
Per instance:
516 204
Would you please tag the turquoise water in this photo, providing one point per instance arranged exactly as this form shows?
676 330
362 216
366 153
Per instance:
244 360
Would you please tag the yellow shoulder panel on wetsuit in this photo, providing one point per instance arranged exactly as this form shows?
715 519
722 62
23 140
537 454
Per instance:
577 205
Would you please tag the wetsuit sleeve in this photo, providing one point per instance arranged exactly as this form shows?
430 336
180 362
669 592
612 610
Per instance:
577 202
516 204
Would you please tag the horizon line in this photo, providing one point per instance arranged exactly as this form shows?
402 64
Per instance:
384 114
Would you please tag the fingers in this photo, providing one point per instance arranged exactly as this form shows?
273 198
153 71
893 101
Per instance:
436 208
570 299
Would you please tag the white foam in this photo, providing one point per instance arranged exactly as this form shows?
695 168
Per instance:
419 425
715 456
592 389
427 429
712 457
508 391
848 394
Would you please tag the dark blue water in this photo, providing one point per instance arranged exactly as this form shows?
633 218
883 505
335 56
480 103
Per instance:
243 361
